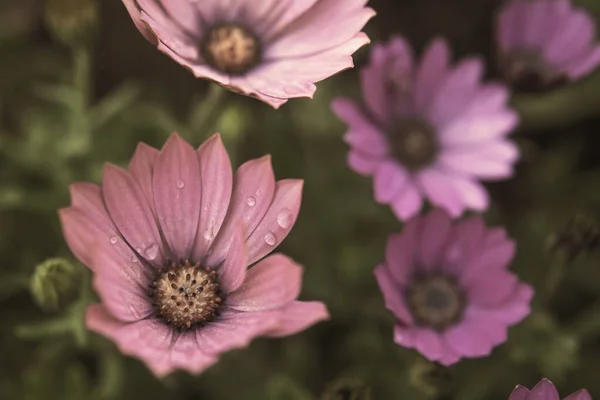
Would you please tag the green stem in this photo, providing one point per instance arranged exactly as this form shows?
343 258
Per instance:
210 109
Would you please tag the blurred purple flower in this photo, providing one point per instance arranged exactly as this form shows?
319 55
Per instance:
169 242
272 50
428 130
544 43
545 390
448 286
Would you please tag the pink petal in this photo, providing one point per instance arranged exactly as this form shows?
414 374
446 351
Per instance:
184 14
270 284
579 395
171 36
400 252
361 135
136 17
544 390
121 300
131 213
519 393
468 339
298 316
583 64
407 203
233 270
478 128
468 240
426 341
390 178
489 288
216 179
392 293
435 233
513 310
455 92
441 191
431 72
98 319
327 24
252 195
142 167
186 354
234 330
278 221
273 81
488 161
493 256
573 36
363 164
177 195
281 17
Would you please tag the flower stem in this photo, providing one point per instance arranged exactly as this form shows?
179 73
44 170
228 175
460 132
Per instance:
206 115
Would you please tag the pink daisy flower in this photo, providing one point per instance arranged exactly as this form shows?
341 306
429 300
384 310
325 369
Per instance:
273 50
428 130
169 241
545 390
448 286
545 43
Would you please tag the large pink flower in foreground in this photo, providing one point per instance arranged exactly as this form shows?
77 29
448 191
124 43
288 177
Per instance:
448 286
169 242
544 43
545 390
428 130
273 50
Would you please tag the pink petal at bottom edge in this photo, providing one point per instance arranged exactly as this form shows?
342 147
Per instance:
579 395
519 393
298 316
544 390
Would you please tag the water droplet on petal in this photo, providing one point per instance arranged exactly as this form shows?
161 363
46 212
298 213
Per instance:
284 218
180 184
151 252
209 233
251 201
134 259
114 239
270 239
258 192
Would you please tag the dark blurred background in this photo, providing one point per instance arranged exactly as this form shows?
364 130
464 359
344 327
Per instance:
64 112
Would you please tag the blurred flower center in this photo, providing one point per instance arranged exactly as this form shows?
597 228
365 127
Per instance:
527 71
231 49
414 144
187 294
435 301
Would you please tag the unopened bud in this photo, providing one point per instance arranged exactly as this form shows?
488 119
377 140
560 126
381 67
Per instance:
54 284
72 22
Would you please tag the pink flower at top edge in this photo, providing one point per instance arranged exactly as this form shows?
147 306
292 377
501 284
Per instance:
545 390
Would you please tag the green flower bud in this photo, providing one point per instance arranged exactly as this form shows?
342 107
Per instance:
54 284
72 22
347 389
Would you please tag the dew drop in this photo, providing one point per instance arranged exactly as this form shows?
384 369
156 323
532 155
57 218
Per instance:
284 218
151 252
270 239
180 184
134 259
114 239
251 201
258 192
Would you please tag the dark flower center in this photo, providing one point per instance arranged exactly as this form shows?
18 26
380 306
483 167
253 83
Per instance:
187 294
527 71
436 301
413 143
231 49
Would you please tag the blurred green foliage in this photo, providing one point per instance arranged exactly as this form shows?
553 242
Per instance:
66 110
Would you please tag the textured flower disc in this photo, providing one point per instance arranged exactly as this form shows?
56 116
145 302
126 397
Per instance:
231 49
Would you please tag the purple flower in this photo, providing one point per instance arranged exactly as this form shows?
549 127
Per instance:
428 130
545 390
544 43
169 241
448 286
273 50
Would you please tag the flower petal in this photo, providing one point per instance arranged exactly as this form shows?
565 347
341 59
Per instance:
392 293
519 393
298 316
216 178
136 16
185 353
270 284
177 194
142 167
390 178
544 390
435 232
431 72
233 330
233 270
124 303
278 221
579 395
407 202
400 252
363 164
252 195
131 213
